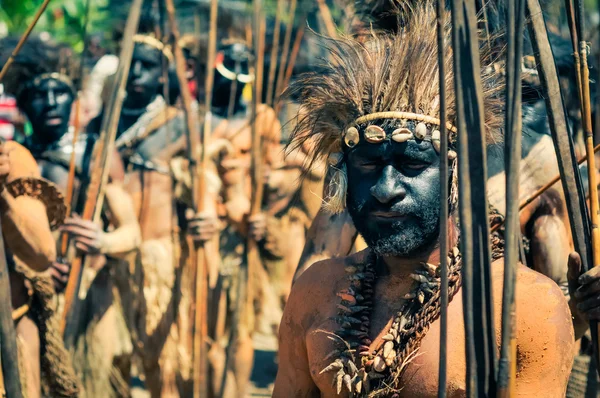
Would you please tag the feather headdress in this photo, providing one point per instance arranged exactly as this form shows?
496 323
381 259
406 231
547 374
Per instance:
389 73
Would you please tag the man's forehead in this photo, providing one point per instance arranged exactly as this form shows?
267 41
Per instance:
49 84
144 52
408 148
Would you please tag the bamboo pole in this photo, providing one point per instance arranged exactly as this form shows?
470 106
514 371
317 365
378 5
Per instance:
473 210
9 353
444 195
286 48
327 19
507 365
559 128
592 169
23 39
540 191
102 158
274 54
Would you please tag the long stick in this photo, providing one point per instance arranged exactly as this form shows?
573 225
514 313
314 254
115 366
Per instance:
99 178
274 53
540 191
286 48
565 154
327 18
23 39
444 195
294 55
476 279
589 146
507 366
9 353
64 239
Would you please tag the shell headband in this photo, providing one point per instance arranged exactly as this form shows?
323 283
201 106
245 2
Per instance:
155 43
61 77
425 129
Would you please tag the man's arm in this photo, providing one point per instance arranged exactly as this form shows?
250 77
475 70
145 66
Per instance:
293 376
89 237
24 221
545 337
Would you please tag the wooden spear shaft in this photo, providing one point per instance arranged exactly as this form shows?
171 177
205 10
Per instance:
274 54
286 48
592 170
526 202
103 153
444 195
507 365
327 18
23 39
480 338
200 335
9 353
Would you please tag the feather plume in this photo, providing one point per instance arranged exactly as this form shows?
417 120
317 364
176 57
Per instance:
386 73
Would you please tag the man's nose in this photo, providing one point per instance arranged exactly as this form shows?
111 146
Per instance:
51 98
136 69
389 188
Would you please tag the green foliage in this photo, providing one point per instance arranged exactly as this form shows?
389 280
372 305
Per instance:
63 19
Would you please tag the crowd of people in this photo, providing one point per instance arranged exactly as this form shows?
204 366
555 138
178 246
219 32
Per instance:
347 228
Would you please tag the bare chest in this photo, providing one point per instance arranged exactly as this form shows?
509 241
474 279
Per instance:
420 376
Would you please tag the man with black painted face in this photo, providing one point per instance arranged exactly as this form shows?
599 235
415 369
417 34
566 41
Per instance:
46 97
152 143
367 324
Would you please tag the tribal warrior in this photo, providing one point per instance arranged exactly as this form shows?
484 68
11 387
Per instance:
369 321
46 96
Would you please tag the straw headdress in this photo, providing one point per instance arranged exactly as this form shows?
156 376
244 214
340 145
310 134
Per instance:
396 74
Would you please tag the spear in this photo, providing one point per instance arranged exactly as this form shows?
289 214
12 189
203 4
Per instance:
444 195
507 365
200 385
540 191
9 353
476 280
64 239
23 39
99 177
563 144
286 48
592 170
274 53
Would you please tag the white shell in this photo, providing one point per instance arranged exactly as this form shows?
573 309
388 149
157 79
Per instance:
436 135
437 145
379 364
387 348
421 131
351 137
374 134
451 154
402 135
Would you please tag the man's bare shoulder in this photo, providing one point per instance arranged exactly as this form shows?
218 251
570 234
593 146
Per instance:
539 301
22 163
319 284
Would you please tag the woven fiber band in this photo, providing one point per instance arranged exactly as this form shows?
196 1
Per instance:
61 77
403 115
154 42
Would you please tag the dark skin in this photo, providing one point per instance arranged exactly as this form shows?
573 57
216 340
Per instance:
145 79
391 189
48 107
392 183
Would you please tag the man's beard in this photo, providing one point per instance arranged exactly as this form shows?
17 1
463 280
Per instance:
417 231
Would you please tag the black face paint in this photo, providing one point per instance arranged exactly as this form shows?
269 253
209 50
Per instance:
394 195
48 107
145 76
